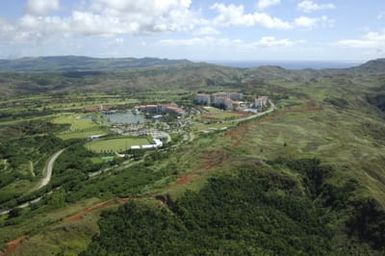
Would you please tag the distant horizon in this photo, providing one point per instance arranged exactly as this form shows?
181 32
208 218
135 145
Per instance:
287 64
195 60
291 64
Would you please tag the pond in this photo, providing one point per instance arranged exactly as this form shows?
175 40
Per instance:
126 117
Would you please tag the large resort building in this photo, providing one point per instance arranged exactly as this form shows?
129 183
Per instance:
231 101
162 109
225 100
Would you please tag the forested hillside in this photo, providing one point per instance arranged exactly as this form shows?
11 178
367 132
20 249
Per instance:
256 211
82 64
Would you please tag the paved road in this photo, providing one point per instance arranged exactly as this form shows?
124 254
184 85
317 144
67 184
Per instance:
271 109
47 172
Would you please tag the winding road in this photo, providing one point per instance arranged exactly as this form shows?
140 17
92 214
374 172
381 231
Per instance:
47 175
271 109
47 172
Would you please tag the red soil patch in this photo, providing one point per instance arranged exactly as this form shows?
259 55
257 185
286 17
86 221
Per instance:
103 205
238 134
184 180
214 158
12 246
124 200
80 215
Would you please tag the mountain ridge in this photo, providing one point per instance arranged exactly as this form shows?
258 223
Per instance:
83 63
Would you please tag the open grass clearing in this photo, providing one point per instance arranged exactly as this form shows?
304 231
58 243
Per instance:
81 126
77 122
217 114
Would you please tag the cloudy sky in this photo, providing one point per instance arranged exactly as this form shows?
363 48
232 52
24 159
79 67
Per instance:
195 29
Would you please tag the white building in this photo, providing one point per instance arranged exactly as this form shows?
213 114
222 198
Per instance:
157 143
203 99
223 102
260 102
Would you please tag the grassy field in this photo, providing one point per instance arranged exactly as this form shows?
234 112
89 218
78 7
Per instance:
215 114
81 126
116 144
77 122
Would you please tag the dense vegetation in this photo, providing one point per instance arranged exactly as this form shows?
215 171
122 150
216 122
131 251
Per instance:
378 100
257 211
24 150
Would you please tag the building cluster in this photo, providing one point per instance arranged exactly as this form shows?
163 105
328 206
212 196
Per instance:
161 109
225 100
231 101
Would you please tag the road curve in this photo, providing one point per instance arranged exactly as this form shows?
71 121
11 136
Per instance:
47 172
271 109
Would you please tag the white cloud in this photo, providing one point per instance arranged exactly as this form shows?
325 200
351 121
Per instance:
234 15
270 41
208 41
201 41
102 18
155 7
230 15
41 7
371 40
263 4
117 18
310 6
309 22
148 15
305 21
206 31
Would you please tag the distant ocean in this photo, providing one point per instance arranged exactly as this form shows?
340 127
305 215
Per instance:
289 64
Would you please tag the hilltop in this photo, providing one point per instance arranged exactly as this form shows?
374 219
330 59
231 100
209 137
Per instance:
84 74
80 63
372 66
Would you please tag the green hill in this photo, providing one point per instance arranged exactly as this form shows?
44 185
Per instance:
81 64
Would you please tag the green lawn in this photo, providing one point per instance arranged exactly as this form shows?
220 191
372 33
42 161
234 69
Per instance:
81 127
116 144
77 122
216 114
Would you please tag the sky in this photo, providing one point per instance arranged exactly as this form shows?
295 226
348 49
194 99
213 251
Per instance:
220 30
